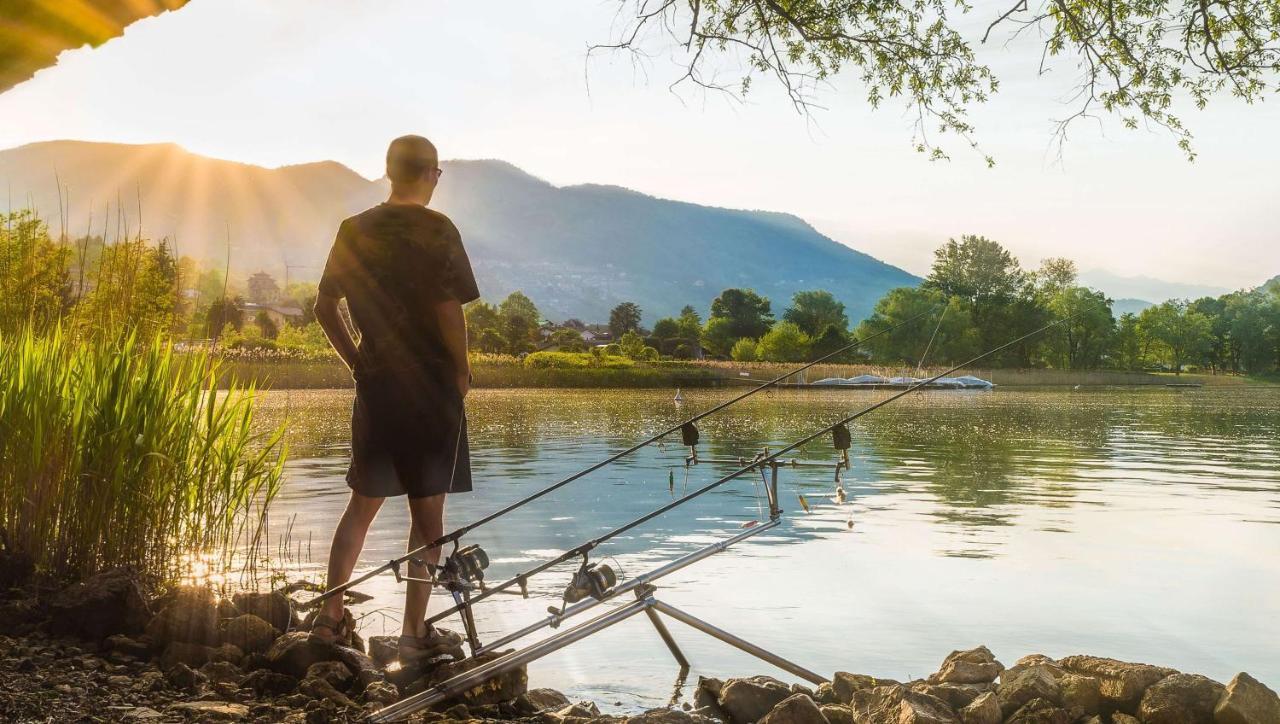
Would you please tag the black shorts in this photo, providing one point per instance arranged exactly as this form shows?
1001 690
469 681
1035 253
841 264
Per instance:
408 436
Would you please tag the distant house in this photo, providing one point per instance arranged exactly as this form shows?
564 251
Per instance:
280 314
596 337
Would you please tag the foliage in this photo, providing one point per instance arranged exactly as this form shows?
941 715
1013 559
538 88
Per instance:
744 350
747 313
624 318
814 311
632 346
575 360
1181 333
718 336
568 340
119 452
221 314
785 342
266 326
945 331
829 341
34 285
1131 60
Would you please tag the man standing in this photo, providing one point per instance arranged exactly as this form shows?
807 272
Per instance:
405 276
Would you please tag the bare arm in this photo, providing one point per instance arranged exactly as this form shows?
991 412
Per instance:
335 329
453 329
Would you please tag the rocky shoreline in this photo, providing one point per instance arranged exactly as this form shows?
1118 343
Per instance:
105 651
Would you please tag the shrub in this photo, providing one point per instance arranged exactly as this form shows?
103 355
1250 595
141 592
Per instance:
121 452
744 350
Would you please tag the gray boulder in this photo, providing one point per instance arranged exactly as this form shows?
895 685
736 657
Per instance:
896 704
248 632
273 607
1081 695
334 672
1031 682
1040 711
844 684
221 672
538 700
1122 683
1180 699
265 682
983 710
106 603
795 709
295 652
189 615
748 700
837 713
1247 701
974 666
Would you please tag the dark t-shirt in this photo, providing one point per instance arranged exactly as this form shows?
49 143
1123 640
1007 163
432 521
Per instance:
394 263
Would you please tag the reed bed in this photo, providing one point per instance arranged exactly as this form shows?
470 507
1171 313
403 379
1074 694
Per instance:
121 452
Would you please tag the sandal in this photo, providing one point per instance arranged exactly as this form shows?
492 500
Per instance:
437 642
338 630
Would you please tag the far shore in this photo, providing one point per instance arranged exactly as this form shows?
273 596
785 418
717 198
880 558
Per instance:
329 373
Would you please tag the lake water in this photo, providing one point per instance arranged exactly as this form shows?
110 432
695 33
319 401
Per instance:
1141 524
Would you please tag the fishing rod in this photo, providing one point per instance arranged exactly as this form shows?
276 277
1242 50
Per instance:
582 550
395 563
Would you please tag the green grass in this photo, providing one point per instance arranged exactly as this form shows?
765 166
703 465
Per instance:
121 452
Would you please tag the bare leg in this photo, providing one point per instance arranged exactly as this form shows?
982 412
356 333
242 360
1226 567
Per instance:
348 540
428 525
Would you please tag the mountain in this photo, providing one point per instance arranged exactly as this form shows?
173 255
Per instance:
575 250
1129 306
1142 287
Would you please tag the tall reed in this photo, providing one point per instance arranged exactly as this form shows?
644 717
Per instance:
117 451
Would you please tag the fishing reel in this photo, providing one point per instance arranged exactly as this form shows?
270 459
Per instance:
467 564
841 440
592 580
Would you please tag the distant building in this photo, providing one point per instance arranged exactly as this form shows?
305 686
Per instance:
279 314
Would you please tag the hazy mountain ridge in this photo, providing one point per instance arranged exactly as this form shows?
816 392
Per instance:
576 250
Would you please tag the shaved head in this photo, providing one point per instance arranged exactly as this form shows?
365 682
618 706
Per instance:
409 157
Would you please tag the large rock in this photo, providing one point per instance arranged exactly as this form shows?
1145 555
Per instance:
1247 701
1040 711
334 672
221 672
1122 683
537 700
16 568
190 615
1031 682
748 700
383 650
250 633
1081 695
366 672
322 690
896 704
1180 699
273 607
957 696
670 716
107 603
837 713
181 652
502 688
983 710
295 652
975 666
265 682
795 709
843 684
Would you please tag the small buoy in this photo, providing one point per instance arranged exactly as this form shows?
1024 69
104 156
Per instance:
1076 387
803 503
679 395
840 497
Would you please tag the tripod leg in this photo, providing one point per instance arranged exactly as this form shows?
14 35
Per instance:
668 639
468 621
736 642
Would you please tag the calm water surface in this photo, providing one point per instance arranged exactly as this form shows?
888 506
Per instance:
1140 524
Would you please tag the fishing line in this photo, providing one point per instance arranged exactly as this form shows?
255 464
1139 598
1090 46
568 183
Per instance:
585 548
454 536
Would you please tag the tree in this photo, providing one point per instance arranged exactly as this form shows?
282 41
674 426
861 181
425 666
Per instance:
221 314
266 326
784 342
976 269
831 339
945 331
748 313
1138 62
35 287
568 340
1126 343
814 311
518 321
263 288
690 325
717 336
666 328
632 345
1182 333
624 318
744 350
1081 342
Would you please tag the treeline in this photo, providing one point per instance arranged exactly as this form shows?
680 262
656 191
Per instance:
979 297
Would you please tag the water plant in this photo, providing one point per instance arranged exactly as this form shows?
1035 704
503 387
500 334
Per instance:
119 451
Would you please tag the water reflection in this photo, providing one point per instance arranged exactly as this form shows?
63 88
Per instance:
1162 497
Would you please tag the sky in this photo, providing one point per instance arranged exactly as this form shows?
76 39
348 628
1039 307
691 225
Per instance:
292 81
